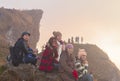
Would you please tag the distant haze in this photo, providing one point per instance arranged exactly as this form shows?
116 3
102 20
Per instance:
98 21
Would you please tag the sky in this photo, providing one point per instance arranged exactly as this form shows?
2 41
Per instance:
98 21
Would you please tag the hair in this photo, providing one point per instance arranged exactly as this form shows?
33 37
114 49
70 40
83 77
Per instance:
57 33
81 49
51 40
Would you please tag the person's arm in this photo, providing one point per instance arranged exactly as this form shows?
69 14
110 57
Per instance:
25 48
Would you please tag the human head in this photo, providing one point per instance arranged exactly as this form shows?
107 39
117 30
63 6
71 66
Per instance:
82 54
57 35
69 48
25 36
52 42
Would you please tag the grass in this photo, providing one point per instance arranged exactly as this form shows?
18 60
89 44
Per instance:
2 69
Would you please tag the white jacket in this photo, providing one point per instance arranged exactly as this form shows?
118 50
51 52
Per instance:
59 50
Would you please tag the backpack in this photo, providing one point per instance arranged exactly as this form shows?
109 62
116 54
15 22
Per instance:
12 56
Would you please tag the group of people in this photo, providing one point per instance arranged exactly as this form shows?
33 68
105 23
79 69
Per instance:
57 57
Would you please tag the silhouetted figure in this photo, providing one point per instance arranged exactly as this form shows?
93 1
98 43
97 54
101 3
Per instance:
77 40
72 40
81 40
68 40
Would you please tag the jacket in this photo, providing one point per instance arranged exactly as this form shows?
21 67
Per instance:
66 66
19 50
48 59
81 68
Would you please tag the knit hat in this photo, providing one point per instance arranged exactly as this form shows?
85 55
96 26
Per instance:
57 33
25 33
82 52
69 46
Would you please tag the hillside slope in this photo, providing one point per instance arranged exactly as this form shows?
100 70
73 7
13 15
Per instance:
99 63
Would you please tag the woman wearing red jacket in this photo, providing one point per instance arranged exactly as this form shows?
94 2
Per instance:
49 56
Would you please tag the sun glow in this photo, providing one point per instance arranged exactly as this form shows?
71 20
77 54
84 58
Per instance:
111 47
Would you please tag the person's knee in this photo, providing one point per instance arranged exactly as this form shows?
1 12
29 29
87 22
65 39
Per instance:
88 77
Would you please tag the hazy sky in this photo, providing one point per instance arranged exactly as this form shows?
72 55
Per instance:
98 21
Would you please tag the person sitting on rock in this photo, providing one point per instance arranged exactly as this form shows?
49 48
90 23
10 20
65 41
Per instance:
20 49
67 68
58 36
49 56
81 66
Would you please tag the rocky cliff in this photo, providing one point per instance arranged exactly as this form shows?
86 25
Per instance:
13 22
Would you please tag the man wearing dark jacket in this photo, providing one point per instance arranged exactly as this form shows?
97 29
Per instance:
20 49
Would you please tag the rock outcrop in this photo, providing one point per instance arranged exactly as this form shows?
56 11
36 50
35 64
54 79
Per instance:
99 63
26 72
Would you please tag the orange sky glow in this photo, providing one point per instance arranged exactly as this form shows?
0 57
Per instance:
98 21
